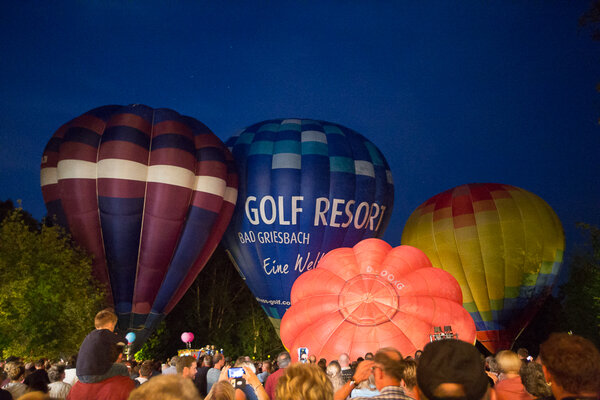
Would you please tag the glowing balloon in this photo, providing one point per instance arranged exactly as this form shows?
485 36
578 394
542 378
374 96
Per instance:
130 337
371 296
148 193
187 337
503 244
306 187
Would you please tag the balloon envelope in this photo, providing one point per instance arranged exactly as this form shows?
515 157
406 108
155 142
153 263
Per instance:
361 299
306 187
503 244
148 193
130 337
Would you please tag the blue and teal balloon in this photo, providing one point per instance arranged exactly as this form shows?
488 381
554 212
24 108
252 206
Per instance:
306 187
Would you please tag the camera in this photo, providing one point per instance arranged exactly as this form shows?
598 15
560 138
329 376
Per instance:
303 354
236 377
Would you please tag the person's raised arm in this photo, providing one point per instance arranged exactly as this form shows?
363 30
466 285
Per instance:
252 380
363 371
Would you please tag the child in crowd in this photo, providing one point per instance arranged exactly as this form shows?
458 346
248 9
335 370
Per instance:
96 354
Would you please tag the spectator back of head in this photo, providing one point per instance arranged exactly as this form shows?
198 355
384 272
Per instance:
573 363
451 368
105 318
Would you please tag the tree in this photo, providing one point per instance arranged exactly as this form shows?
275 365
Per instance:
48 298
220 310
582 291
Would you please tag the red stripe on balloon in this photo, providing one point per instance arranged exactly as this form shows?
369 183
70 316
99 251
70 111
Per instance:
173 156
130 120
170 126
121 188
88 121
207 201
124 151
78 151
212 168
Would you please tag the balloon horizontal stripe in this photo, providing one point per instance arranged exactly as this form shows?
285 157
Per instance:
364 168
231 194
48 176
287 160
123 150
76 169
82 135
314 136
316 148
341 164
126 134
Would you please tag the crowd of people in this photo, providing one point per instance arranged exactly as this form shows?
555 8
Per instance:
567 368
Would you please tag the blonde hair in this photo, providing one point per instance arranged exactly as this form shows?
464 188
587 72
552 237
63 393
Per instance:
37 395
222 390
166 387
304 381
508 362
105 317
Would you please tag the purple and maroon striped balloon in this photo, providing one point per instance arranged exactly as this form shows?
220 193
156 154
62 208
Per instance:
148 192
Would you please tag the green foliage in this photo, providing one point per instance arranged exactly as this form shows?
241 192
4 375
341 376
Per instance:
47 297
581 293
220 310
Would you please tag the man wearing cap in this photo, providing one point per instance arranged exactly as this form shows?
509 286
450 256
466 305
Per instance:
451 368
387 368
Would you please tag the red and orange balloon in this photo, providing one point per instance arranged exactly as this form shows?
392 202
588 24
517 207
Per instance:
371 296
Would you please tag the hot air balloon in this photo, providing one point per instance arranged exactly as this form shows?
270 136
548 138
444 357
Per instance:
503 244
306 187
361 299
148 193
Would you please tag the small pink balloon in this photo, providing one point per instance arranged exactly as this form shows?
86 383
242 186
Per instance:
187 337
190 337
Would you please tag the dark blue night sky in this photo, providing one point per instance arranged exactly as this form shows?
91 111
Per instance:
452 92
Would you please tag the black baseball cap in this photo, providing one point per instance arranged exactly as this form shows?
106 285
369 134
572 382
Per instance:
452 361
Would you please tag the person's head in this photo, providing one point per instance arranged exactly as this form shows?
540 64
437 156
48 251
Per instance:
369 356
56 373
322 363
243 363
186 366
312 359
451 368
388 368
418 354
218 360
409 375
532 376
283 359
40 364
304 381
146 369
166 387
334 369
14 370
207 361
344 360
106 319
36 383
491 364
173 361
508 362
222 390
571 364
523 353
266 366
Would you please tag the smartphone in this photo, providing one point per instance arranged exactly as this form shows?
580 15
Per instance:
303 354
234 373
